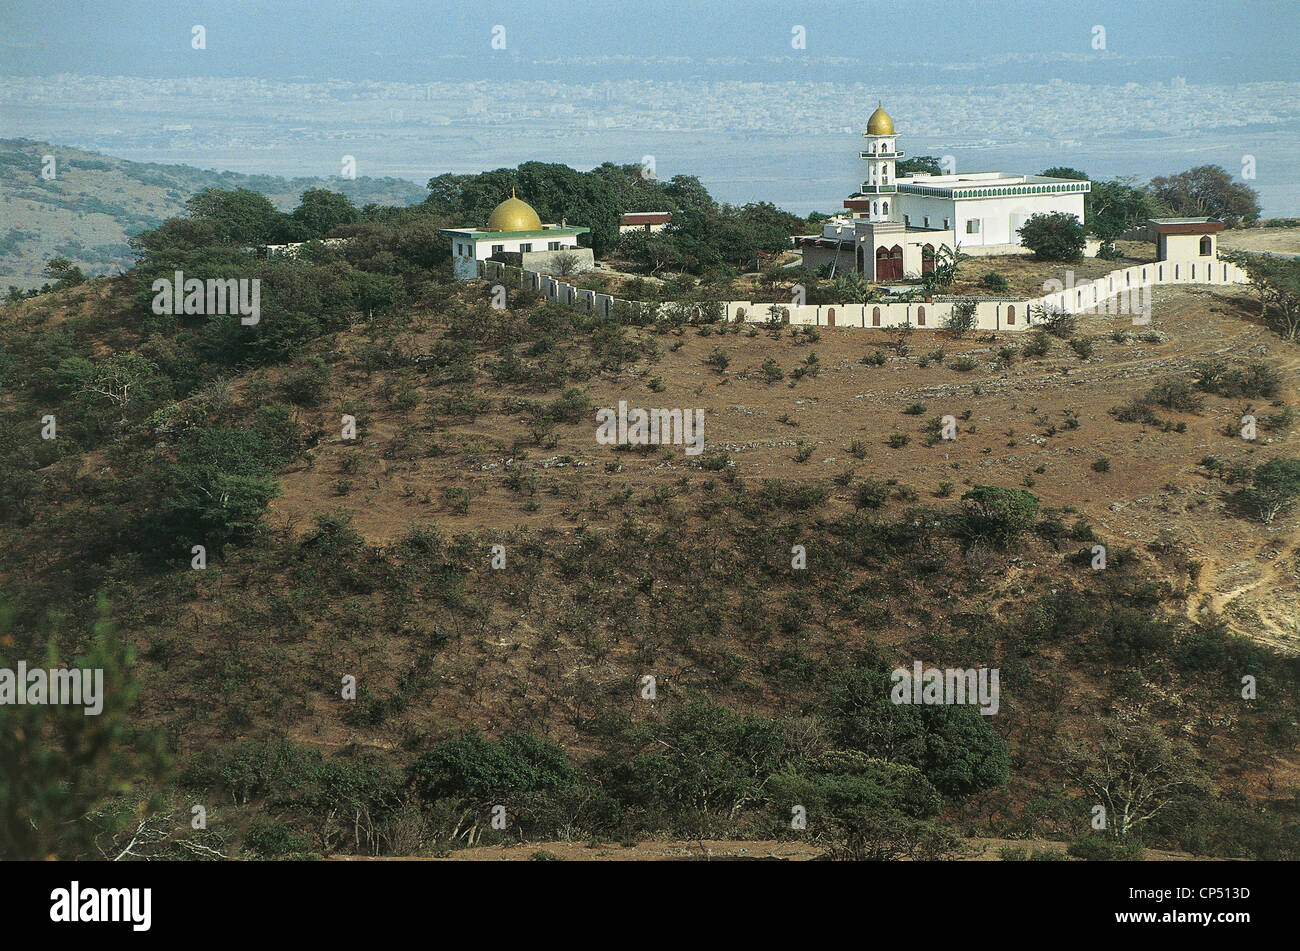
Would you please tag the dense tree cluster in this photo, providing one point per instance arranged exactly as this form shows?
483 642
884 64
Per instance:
1114 206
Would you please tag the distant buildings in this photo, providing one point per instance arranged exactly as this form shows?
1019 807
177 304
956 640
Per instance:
646 221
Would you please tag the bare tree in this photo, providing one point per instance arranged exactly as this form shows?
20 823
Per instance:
1133 770
565 264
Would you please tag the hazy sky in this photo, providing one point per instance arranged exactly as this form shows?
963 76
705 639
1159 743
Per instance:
1016 40
710 88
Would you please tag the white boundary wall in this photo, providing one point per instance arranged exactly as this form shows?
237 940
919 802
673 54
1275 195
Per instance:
1013 314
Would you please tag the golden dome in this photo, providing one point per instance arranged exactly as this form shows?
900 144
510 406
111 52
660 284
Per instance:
880 123
514 214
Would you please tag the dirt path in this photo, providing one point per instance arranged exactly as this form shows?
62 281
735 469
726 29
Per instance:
1235 599
721 850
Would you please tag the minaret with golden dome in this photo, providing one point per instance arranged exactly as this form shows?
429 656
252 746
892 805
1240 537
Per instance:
881 153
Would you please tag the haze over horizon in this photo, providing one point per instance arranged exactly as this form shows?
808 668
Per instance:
1014 86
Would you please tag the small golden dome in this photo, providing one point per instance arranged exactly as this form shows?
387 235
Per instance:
514 214
880 123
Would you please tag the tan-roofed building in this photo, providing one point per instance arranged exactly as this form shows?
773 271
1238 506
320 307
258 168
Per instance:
1178 239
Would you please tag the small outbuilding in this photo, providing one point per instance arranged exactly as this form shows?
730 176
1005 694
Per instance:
1178 239
649 222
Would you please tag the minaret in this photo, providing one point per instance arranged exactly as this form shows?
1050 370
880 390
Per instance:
881 153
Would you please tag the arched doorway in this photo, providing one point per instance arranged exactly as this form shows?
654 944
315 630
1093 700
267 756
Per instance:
889 263
927 259
920 316
1011 315
875 316
830 317
862 260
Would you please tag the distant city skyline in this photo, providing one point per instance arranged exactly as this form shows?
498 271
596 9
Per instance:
290 89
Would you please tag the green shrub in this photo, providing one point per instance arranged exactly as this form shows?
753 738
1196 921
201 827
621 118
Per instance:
1175 394
274 839
1098 848
1254 380
993 281
1038 344
998 514
1058 236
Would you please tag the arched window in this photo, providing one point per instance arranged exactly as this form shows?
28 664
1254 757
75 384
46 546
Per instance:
1011 315
1207 246
920 316
927 259
885 207
875 316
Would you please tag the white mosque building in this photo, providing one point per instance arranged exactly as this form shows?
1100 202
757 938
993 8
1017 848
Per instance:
895 226
514 234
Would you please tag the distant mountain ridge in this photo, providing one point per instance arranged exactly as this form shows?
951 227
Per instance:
95 202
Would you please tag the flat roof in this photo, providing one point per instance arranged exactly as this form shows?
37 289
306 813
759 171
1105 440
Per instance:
1184 225
984 178
472 233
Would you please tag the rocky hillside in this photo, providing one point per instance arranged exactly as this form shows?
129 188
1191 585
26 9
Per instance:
96 202
498 585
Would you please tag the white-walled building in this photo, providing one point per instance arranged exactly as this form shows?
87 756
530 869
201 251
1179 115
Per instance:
514 228
1181 239
650 222
896 225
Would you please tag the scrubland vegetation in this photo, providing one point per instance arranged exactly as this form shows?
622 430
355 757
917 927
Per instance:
523 688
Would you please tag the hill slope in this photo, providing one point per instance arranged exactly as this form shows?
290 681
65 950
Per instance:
95 202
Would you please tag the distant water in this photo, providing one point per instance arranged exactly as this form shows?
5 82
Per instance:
793 144
798 173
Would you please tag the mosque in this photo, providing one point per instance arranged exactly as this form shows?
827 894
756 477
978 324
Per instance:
895 227
515 234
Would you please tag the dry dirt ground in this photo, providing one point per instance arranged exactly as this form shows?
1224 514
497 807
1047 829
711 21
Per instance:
719 850
1262 239
1153 489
